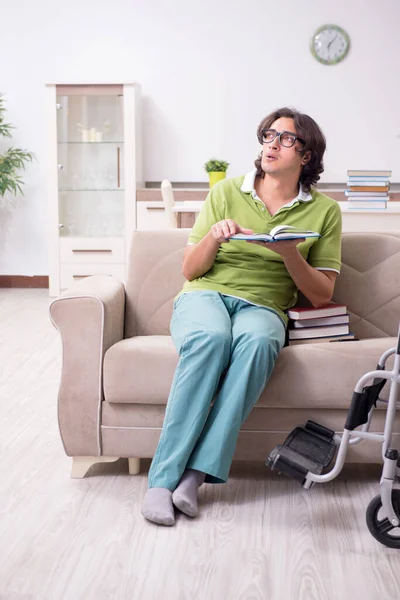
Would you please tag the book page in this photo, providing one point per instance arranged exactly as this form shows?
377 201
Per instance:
280 228
291 230
293 235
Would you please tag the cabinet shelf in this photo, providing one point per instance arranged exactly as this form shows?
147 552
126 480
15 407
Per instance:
91 143
86 236
91 190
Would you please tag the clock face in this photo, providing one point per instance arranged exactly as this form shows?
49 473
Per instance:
330 44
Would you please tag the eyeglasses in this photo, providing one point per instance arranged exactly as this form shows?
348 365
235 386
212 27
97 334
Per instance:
286 138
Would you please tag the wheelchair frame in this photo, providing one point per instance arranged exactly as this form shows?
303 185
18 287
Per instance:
365 398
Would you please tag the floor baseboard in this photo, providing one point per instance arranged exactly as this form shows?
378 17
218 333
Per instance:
24 281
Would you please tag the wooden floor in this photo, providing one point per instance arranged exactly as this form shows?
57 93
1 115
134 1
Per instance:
258 537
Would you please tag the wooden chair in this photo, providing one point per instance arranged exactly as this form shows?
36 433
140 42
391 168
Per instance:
169 202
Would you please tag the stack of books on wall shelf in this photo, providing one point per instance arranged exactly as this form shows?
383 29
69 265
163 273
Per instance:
328 323
368 189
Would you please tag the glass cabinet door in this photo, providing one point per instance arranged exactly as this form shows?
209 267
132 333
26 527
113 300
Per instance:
90 147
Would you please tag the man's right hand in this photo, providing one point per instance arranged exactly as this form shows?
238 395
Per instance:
222 230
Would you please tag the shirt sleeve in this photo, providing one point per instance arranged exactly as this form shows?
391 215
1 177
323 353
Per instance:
211 212
325 253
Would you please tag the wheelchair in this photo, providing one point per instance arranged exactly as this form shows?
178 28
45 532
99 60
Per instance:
308 451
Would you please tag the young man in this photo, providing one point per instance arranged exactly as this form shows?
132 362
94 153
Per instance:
228 322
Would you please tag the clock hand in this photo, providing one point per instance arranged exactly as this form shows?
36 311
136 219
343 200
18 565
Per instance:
332 40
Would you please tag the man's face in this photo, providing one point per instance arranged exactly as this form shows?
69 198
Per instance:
278 159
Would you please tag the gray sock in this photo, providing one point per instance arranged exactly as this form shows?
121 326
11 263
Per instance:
185 495
157 506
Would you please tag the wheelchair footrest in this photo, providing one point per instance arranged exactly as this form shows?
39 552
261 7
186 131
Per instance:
308 448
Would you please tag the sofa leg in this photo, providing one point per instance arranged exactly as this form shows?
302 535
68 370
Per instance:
134 466
81 464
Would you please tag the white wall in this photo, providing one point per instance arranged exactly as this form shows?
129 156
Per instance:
209 71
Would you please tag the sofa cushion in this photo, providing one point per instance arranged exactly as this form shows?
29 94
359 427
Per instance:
140 370
368 284
154 278
322 375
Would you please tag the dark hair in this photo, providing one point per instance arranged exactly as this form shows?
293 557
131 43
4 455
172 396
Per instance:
315 142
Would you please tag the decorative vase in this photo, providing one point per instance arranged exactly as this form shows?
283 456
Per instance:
216 176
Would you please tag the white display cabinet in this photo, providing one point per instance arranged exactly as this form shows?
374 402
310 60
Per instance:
94 170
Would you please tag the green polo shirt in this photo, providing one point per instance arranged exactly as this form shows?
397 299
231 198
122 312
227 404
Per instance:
251 272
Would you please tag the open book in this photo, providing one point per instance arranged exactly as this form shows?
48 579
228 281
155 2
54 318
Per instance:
278 233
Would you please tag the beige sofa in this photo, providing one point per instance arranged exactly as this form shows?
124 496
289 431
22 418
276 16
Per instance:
119 359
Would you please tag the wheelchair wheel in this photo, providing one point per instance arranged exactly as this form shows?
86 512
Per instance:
379 526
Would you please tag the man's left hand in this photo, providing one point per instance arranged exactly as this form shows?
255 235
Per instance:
284 247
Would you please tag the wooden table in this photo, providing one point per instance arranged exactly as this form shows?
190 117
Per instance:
189 201
186 212
353 220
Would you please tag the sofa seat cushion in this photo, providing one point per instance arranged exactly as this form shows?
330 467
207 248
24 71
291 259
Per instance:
140 370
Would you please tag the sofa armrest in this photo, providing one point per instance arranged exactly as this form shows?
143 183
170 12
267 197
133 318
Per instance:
90 319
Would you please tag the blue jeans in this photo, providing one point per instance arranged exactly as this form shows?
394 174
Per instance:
214 335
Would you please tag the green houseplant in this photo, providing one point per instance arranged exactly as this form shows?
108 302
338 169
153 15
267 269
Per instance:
11 163
216 170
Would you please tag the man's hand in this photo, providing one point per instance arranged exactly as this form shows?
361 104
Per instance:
224 229
284 247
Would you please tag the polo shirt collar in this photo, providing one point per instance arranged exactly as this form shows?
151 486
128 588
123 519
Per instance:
248 188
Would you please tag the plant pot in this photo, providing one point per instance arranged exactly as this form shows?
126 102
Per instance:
216 176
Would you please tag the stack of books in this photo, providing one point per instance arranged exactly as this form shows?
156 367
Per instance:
324 324
368 189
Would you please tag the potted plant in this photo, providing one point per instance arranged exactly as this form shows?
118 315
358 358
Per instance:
216 170
11 164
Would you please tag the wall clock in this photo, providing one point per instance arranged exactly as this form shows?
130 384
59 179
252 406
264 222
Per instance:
330 44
